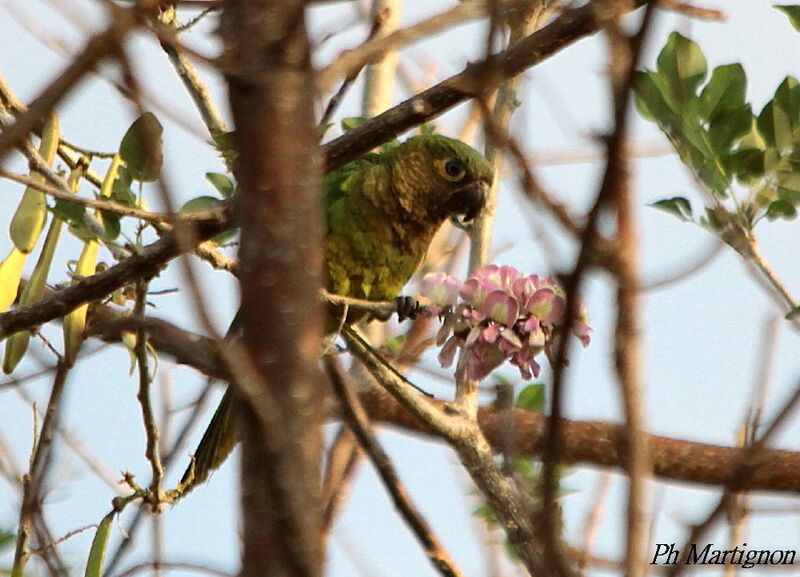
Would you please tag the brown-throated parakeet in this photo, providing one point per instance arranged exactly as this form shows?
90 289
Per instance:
382 212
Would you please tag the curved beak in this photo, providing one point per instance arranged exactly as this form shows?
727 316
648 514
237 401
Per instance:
469 200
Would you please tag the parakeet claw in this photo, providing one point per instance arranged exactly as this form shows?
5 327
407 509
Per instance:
407 308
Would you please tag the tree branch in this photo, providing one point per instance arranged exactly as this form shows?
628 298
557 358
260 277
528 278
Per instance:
267 64
476 80
146 263
589 443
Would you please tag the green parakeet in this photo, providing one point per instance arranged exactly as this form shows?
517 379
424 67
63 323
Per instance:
382 212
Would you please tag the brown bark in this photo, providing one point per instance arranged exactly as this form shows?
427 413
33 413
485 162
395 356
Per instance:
267 66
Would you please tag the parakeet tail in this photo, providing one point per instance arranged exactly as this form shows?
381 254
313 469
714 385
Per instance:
215 446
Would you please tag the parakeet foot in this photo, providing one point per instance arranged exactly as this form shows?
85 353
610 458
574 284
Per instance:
407 308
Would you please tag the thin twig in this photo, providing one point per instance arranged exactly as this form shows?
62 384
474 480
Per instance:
739 480
699 263
34 481
691 10
592 520
754 256
529 182
572 284
105 205
152 452
135 523
95 50
61 539
75 444
195 567
624 54
353 60
464 435
571 25
358 422
191 80
341 463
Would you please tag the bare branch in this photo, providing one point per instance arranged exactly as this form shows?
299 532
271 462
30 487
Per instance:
478 78
359 423
96 49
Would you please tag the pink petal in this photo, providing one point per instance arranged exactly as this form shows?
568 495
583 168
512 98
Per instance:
490 333
522 289
488 271
546 305
582 330
472 337
531 324
537 337
512 340
501 307
440 288
508 274
448 352
472 292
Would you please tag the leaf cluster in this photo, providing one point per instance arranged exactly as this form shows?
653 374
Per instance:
718 137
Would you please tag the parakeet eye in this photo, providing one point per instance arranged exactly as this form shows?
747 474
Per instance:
453 169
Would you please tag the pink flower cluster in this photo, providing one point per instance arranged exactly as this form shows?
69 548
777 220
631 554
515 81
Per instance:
503 314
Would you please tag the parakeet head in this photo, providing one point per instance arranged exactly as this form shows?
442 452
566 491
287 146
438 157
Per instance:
441 177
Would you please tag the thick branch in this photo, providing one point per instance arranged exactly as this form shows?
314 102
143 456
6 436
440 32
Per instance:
268 69
591 443
603 444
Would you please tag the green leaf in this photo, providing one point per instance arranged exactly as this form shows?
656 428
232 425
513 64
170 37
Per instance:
788 187
651 100
746 163
352 122
677 206
221 182
793 314
725 91
111 225
121 190
779 121
199 203
94 564
223 237
70 212
728 126
6 538
532 398
224 141
682 64
140 148
781 209
793 12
